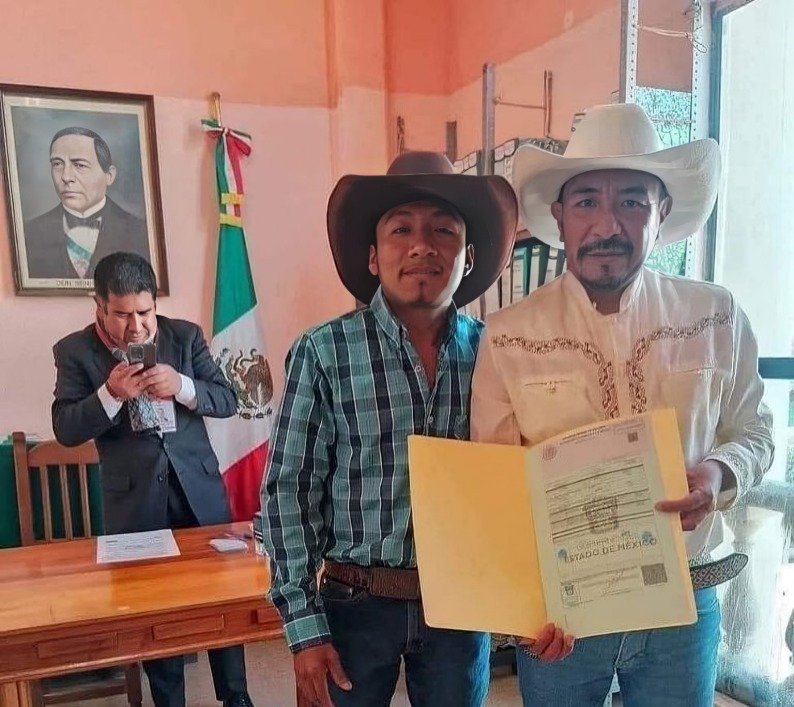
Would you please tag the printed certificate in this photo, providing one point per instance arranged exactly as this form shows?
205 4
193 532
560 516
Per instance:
609 560
508 538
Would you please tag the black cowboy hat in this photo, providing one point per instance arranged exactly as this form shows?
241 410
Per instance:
487 204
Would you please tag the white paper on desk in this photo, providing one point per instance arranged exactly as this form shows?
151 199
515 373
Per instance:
126 547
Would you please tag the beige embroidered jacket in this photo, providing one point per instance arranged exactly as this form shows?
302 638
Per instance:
552 362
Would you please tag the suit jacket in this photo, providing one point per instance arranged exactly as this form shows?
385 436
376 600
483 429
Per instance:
134 465
45 241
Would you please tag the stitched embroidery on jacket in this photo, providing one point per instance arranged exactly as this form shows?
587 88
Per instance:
606 375
636 377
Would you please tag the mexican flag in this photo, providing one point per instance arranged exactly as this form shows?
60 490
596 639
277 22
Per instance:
237 344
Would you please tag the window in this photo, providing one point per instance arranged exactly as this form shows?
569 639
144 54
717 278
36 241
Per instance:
752 253
671 112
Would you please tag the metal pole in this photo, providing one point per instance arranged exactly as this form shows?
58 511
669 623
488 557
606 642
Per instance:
488 110
488 121
697 245
629 17
547 103
216 107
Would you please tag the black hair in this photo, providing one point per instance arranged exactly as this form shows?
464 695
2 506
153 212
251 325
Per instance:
124 274
100 146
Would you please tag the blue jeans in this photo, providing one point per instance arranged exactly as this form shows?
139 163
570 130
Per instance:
669 667
372 636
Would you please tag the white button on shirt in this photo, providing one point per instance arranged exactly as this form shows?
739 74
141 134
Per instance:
552 362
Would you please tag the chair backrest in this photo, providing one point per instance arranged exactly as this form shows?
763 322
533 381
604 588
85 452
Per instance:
72 462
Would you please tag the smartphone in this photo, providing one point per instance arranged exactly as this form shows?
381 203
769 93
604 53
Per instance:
142 353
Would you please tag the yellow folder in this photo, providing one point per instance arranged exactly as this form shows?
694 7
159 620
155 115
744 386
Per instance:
475 536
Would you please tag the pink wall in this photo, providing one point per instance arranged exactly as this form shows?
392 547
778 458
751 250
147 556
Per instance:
437 49
501 30
244 49
319 85
585 65
356 69
178 52
419 35
419 42
663 61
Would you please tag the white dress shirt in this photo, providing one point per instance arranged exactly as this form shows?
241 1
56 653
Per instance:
552 362
84 237
186 396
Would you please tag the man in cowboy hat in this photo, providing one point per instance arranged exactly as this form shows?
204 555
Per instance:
612 338
407 244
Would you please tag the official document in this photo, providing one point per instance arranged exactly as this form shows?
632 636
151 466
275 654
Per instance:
609 561
126 547
509 538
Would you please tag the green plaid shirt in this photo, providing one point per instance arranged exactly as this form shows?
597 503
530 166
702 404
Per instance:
337 480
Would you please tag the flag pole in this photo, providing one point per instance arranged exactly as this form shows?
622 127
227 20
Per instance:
216 107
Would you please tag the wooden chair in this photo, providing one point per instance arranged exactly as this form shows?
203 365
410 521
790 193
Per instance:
72 463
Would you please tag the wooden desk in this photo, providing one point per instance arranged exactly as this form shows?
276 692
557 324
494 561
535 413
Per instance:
60 612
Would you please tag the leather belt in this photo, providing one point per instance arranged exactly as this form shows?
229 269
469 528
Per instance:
401 583
713 572
383 582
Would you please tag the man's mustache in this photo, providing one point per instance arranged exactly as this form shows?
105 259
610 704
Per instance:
615 245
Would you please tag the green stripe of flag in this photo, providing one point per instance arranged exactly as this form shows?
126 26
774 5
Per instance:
234 285
220 167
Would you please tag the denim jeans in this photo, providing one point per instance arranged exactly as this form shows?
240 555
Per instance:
669 667
443 668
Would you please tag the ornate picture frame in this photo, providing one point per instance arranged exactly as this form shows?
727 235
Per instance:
82 180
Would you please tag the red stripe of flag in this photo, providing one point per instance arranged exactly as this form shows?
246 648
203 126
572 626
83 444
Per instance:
243 480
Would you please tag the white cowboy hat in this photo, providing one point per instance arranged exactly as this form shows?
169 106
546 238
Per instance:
619 136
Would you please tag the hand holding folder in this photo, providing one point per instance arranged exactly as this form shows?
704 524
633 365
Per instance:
510 538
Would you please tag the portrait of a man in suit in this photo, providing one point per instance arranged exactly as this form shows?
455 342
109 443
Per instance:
68 241
81 178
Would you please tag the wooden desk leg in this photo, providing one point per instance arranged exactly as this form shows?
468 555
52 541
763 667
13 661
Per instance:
15 694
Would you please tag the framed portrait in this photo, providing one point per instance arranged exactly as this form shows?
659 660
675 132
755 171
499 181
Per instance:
82 181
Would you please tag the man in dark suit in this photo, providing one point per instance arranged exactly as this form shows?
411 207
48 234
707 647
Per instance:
69 240
157 467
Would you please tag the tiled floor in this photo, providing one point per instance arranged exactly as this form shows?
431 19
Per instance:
271 683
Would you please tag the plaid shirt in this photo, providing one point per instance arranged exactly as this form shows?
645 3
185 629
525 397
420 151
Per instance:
337 481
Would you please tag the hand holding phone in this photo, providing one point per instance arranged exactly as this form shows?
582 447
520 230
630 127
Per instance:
142 353
162 381
125 382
